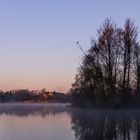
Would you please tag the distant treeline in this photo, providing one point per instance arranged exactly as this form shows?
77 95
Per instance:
25 95
109 75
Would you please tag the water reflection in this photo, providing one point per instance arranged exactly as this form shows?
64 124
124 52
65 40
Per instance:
25 110
106 125
35 122
58 122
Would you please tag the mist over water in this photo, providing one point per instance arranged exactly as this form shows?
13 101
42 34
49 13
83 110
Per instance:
59 122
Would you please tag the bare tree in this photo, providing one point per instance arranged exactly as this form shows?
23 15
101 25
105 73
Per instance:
112 64
130 41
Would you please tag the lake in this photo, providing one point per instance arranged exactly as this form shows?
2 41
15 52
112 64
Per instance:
59 122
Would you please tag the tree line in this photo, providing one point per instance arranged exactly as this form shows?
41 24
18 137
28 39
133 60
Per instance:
110 71
25 95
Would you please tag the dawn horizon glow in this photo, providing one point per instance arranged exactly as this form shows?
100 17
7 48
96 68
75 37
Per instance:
38 39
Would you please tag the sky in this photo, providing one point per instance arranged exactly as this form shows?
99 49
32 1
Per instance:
38 38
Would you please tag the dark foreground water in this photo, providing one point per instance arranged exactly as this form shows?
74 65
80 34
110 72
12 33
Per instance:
58 122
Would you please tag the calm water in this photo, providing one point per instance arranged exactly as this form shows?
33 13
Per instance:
57 122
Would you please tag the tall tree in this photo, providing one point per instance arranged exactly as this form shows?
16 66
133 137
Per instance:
130 44
111 65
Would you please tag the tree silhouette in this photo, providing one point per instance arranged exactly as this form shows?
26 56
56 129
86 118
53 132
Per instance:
110 69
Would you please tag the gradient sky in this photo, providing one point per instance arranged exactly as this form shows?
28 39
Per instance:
38 38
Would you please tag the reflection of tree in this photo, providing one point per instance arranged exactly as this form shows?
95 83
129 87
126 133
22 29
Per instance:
105 126
87 124
42 110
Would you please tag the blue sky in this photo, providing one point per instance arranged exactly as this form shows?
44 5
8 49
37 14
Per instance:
38 38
